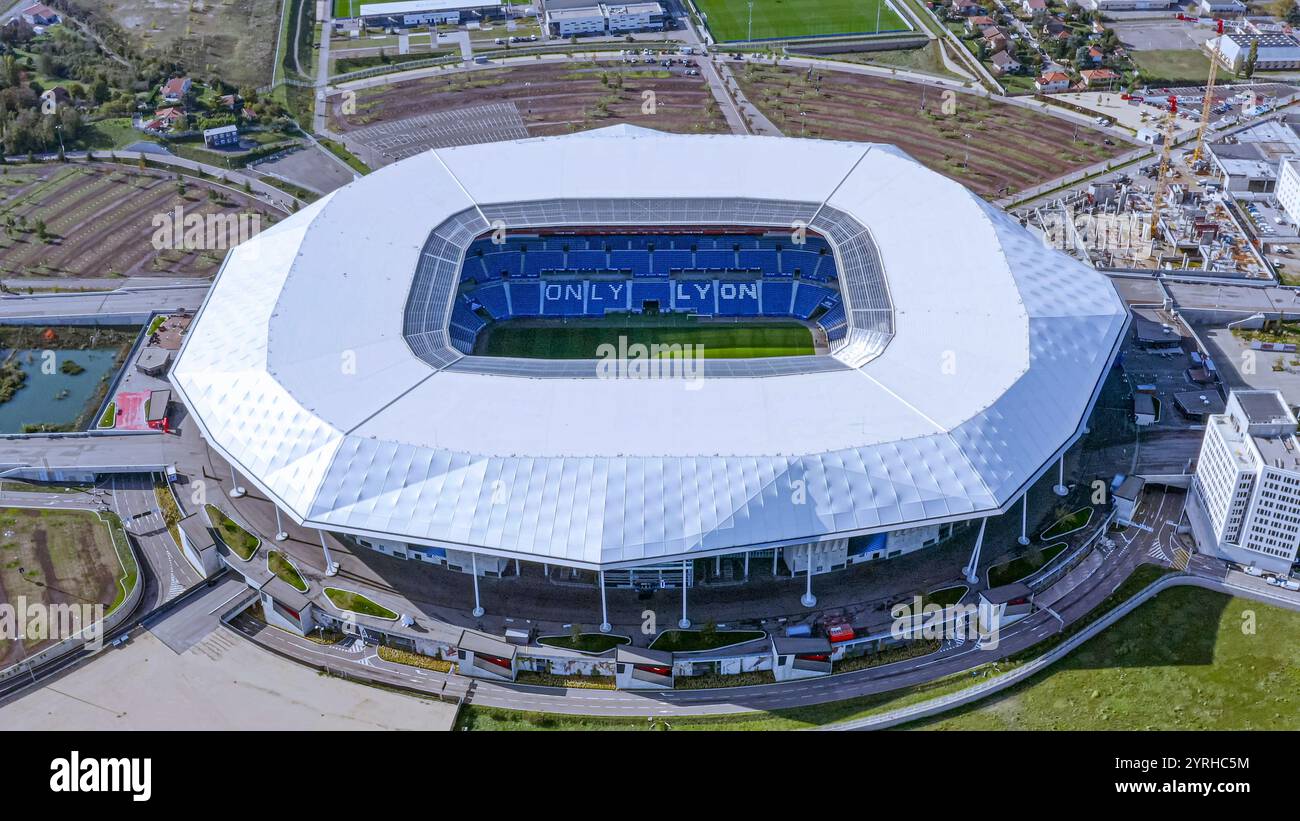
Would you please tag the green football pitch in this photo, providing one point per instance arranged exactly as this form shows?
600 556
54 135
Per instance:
581 339
774 19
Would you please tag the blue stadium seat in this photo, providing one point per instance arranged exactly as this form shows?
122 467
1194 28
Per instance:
564 297
738 298
587 261
715 260
493 298
604 296
644 291
502 262
803 263
695 295
525 298
662 263
638 262
777 295
826 271
540 262
807 298
758 260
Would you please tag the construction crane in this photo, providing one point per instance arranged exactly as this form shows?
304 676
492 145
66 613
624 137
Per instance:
1157 199
1208 103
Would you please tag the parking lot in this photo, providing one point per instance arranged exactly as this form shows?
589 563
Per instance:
1160 35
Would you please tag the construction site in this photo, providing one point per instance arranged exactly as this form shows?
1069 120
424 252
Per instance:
1206 202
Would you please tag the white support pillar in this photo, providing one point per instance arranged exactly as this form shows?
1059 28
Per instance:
717 565
331 567
1024 519
280 534
478 608
235 490
516 568
808 599
746 565
685 622
776 552
604 612
972 574
1061 489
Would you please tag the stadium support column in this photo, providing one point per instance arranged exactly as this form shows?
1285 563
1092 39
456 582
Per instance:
973 567
685 622
473 562
746 565
331 567
1061 489
280 534
808 599
1024 519
604 611
235 490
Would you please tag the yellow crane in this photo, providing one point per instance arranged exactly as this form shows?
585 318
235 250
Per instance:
1157 199
1209 95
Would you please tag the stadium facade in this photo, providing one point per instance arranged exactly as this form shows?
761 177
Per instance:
332 366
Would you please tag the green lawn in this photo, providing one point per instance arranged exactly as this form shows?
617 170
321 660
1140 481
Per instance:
1017 569
585 643
1172 66
348 8
1180 662
243 543
945 596
581 339
357 603
685 641
775 19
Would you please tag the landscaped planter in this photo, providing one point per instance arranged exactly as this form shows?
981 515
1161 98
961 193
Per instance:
689 638
283 567
596 643
1023 567
1068 524
242 543
349 601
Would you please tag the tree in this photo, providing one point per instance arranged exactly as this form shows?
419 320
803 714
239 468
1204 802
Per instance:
1248 67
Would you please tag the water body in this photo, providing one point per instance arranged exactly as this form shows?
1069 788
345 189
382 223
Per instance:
55 398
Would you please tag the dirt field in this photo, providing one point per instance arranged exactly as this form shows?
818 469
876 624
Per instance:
235 39
99 221
54 557
549 98
1011 148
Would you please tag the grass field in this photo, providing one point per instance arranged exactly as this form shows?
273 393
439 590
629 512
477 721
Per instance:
55 557
580 339
1172 66
1179 662
775 19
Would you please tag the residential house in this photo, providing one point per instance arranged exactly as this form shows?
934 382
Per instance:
1098 78
39 15
165 119
979 21
1004 63
1052 82
994 39
1032 6
967 8
176 89
1096 55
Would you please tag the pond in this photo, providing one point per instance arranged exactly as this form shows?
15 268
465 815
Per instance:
56 398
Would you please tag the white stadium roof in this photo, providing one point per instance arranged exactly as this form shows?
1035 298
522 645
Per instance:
298 368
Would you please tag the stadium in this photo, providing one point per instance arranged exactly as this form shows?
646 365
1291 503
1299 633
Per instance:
870 354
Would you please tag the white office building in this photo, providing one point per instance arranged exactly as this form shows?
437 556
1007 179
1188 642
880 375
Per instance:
1288 188
1245 502
599 18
